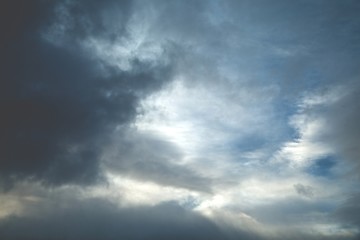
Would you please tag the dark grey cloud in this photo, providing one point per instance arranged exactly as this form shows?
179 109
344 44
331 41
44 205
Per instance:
57 105
98 219
349 211
344 131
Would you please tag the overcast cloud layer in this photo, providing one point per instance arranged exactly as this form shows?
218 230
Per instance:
179 119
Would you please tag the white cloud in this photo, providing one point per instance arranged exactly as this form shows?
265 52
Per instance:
205 120
312 128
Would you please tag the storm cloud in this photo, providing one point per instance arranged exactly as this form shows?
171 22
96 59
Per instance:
96 219
58 103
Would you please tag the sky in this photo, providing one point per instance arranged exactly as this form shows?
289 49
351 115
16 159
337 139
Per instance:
184 119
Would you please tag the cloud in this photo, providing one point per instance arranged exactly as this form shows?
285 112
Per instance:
326 125
306 191
242 111
58 104
98 219
349 211
343 130
148 157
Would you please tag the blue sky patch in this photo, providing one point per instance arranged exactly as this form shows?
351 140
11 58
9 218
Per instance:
322 167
